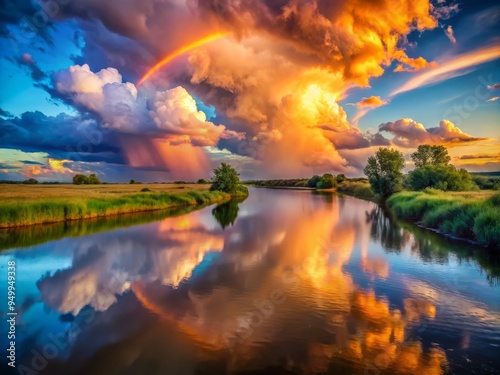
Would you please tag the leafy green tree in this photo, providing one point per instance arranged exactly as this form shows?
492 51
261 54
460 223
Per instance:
327 181
225 178
132 182
202 181
341 178
94 180
313 182
80 179
430 155
384 171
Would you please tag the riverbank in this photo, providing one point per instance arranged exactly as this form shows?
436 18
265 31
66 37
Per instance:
24 206
469 216
357 189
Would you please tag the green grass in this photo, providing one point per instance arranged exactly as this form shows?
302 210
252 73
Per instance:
464 216
51 210
358 189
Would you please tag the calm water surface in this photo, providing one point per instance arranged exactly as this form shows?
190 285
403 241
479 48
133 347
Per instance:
286 282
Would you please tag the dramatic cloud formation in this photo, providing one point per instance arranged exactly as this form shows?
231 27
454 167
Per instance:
409 133
270 74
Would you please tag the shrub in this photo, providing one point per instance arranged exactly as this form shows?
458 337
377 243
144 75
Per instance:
442 177
145 190
341 178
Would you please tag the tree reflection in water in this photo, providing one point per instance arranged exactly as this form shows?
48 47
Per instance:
394 235
226 213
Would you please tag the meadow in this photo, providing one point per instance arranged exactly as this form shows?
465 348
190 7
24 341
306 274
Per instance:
23 205
468 215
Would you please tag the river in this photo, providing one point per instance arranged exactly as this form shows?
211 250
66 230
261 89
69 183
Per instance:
286 282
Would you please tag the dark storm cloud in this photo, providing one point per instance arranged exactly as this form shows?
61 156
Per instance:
62 137
30 162
30 19
4 113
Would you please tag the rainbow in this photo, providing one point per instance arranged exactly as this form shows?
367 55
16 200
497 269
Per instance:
180 51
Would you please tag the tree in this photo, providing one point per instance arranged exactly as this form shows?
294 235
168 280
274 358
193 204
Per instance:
226 213
94 180
132 182
384 171
433 170
430 155
313 182
31 181
341 178
80 179
202 181
327 181
225 178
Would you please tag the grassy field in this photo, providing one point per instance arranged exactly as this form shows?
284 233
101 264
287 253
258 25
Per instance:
23 205
23 193
469 215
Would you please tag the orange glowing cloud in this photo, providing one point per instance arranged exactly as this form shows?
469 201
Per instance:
54 167
180 51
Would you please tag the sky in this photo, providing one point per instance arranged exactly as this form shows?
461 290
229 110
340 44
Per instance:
165 90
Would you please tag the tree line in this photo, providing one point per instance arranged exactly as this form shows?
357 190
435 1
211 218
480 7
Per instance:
432 170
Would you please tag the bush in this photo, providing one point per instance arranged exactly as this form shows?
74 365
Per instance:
145 190
132 182
442 177
341 178
201 181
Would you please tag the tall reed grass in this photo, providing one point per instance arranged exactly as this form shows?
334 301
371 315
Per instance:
474 218
358 189
51 210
